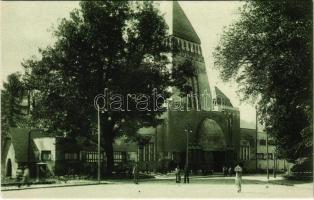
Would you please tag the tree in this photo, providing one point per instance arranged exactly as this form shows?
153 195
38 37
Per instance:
268 51
12 109
105 44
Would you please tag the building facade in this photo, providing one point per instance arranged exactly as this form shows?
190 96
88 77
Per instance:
254 151
204 132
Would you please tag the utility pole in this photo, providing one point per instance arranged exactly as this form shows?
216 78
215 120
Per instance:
98 122
29 150
256 138
267 155
187 130
275 163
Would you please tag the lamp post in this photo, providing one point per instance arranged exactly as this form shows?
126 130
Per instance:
229 141
267 169
98 146
256 138
187 130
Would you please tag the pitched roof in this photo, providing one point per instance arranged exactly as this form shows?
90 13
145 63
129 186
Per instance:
19 138
182 27
223 96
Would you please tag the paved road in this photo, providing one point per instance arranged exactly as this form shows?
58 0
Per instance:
162 189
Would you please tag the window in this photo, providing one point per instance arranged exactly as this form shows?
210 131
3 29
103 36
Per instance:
45 155
119 156
245 152
260 156
91 156
262 142
147 152
70 156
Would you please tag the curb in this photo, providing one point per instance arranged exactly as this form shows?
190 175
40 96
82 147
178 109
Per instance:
54 186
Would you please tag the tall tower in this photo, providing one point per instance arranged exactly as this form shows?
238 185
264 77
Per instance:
186 48
212 126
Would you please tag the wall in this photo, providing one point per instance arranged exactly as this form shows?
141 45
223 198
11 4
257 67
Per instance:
47 144
249 135
11 156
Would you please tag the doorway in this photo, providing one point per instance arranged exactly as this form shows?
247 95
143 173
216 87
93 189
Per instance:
9 168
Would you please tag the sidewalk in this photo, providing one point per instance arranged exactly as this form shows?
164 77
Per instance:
60 184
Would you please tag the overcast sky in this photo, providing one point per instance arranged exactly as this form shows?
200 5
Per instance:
25 27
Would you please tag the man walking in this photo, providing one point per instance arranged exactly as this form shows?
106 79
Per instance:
186 174
238 178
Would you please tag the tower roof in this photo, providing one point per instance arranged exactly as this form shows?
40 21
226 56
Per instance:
182 27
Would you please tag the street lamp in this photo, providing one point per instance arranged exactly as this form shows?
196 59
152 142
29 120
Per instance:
267 169
98 146
187 131
229 147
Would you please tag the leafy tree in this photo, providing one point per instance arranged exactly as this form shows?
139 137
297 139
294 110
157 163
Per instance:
12 109
104 44
181 76
268 51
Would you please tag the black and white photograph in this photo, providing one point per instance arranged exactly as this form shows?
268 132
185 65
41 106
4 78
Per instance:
156 99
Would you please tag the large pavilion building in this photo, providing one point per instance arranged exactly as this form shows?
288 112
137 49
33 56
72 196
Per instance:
209 118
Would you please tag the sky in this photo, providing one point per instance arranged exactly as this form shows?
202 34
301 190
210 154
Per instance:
26 26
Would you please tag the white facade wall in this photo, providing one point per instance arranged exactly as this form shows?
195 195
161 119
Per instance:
47 144
262 163
11 156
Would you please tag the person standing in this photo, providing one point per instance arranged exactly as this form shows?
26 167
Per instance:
186 174
19 176
26 176
224 170
178 175
135 174
238 177
230 171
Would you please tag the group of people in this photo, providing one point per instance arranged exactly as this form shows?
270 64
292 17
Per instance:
186 174
227 171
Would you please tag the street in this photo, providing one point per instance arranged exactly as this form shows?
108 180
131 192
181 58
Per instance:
198 188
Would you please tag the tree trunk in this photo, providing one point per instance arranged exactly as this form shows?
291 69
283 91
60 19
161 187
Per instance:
107 132
109 154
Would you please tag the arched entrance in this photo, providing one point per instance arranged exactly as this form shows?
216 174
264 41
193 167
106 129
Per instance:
212 144
9 168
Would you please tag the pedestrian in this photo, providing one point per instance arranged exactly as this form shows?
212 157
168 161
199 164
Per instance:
238 177
230 171
224 170
178 174
135 174
26 176
186 174
19 176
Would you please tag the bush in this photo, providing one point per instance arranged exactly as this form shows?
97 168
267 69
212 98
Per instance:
305 166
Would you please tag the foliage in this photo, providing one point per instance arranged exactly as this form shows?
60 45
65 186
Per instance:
181 76
105 44
13 104
268 51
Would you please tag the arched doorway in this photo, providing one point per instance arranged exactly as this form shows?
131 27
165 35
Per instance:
9 168
212 143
